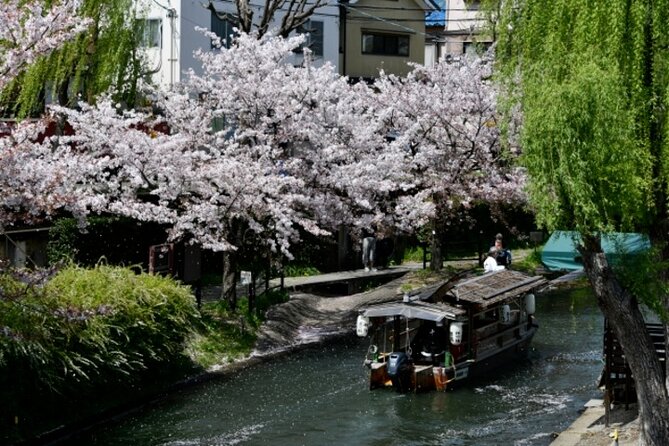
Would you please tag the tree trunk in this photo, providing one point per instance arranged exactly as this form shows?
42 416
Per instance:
229 291
252 292
658 233
622 311
436 258
666 349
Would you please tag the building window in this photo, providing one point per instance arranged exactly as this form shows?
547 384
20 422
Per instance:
477 48
314 29
385 44
150 32
222 26
473 5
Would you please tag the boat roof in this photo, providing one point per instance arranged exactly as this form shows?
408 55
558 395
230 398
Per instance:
483 291
494 287
415 310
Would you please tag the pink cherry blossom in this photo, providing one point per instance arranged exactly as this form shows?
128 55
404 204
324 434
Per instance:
28 31
252 141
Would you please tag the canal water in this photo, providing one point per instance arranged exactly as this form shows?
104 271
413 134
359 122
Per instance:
320 397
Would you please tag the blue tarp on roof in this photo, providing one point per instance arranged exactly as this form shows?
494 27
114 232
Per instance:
436 18
560 254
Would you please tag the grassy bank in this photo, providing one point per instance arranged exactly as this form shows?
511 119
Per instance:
77 343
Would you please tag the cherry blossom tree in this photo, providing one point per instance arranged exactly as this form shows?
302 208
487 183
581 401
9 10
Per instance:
259 150
262 159
28 31
31 180
293 14
291 149
446 118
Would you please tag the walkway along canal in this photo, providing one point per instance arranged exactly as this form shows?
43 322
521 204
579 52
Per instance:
320 396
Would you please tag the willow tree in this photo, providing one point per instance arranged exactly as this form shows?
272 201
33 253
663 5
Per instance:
591 81
103 58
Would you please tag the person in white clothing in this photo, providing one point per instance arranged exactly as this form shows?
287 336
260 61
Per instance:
490 263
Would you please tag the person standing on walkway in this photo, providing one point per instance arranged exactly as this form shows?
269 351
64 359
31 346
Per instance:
503 255
368 252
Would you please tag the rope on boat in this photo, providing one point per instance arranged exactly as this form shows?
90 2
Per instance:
385 337
407 346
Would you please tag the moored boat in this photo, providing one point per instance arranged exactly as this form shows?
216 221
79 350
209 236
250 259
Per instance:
449 332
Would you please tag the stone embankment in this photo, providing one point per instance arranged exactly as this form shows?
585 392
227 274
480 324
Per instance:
591 429
308 319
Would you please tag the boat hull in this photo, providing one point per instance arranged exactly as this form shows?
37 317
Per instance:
421 378
486 366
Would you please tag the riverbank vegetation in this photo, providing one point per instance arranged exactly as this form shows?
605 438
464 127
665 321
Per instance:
223 335
67 334
77 342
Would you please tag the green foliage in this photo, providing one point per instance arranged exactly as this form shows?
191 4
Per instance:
591 80
104 57
299 270
413 254
62 243
639 274
528 263
89 326
221 337
224 335
587 169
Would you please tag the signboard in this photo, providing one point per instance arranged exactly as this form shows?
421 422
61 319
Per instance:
245 277
161 259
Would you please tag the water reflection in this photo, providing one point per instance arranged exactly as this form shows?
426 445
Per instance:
320 397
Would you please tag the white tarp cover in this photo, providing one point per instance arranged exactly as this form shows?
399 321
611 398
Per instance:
415 310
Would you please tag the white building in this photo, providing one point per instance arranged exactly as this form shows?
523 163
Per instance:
457 29
170 35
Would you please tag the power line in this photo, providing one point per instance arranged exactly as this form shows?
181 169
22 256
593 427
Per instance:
357 7
401 8
371 17
368 18
160 5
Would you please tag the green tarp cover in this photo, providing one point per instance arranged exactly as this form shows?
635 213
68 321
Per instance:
560 254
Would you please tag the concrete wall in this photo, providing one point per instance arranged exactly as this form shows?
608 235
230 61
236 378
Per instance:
178 37
461 16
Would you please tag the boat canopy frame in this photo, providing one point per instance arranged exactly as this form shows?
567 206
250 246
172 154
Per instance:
416 310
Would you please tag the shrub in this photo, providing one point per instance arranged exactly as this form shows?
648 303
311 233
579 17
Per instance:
89 325
299 270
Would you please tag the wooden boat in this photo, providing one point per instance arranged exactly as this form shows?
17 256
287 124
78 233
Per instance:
449 332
